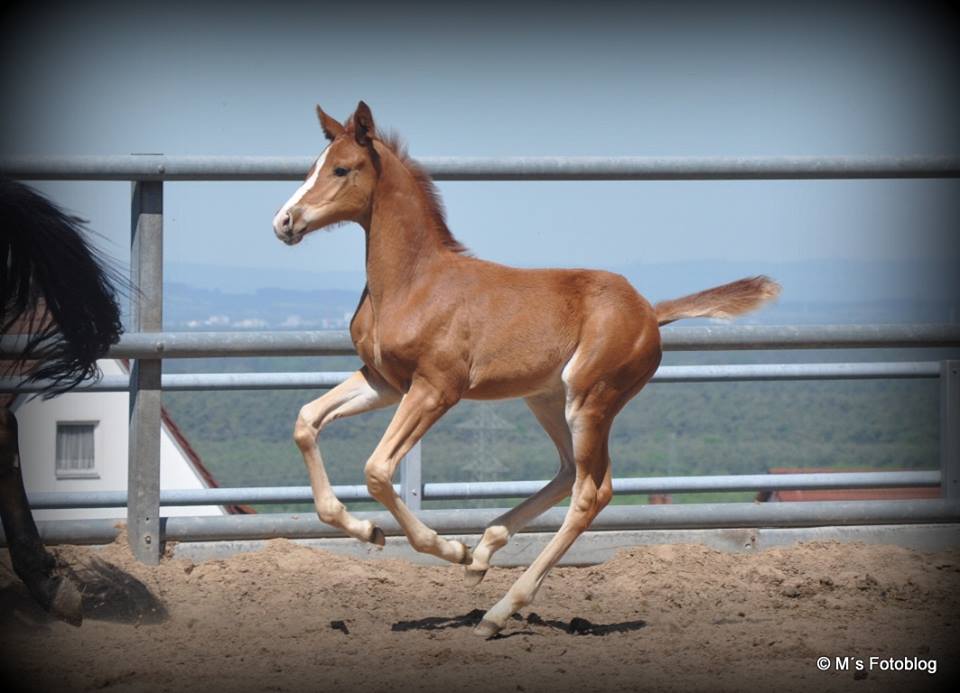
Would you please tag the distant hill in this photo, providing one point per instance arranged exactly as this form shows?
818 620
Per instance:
207 297
190 308
244 280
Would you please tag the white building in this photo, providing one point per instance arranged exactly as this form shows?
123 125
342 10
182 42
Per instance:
78 442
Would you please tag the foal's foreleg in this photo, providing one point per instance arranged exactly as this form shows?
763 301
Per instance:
420 408
363 391
549 410
31 562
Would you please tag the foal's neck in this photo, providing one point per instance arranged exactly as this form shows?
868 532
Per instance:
402 236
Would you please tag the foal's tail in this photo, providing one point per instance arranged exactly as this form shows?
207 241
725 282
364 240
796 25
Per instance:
725 301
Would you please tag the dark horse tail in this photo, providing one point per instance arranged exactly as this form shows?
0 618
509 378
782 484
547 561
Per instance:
54 287
59 291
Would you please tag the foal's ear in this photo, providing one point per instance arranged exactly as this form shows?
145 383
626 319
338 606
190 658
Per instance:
364 130
331 128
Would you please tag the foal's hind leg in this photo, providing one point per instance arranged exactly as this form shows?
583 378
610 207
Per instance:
31 562
592 491
363 391
550 412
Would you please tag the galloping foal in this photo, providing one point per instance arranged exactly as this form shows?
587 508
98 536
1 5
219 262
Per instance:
435 325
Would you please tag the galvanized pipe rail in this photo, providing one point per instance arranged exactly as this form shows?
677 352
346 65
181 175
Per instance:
139 345
473 521
477 490
159 167
766 372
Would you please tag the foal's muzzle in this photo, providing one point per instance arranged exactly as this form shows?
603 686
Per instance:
283 227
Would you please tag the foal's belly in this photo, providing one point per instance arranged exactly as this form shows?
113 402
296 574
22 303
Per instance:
509 383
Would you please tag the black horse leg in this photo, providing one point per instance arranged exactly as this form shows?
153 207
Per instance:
31 562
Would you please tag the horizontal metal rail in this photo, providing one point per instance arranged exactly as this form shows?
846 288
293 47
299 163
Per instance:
473 521
698 484
737 337
192 382
476 490
258 168
707 338
797 371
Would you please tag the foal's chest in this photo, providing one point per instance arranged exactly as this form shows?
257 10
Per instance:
380 349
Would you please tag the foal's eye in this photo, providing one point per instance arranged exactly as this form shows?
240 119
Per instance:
340 171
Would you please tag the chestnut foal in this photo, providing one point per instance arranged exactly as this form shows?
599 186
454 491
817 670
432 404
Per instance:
435 325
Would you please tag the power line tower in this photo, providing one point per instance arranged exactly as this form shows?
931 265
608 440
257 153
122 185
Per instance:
485 425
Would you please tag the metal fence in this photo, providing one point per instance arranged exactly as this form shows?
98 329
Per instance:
147 345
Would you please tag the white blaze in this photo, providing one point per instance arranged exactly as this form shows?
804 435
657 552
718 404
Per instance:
301 191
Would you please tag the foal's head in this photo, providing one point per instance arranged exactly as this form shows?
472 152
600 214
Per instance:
339 186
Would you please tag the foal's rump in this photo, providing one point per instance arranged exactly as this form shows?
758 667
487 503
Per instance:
543 318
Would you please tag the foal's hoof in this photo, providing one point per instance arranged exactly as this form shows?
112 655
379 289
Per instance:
486 629
466 557
67 602
377 537
472 577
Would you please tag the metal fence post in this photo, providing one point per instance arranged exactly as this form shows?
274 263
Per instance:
146 271
950 428
411 480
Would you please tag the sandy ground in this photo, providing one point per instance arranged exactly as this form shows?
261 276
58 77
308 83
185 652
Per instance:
290 618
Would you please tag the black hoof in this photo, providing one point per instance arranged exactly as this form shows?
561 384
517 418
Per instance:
67 603
377 537
486 629
466 558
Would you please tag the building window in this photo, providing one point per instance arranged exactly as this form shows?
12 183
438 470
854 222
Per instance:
75 450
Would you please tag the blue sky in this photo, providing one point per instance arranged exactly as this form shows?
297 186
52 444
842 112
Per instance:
497 79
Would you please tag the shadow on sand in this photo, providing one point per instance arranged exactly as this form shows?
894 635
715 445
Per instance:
576 626
108 594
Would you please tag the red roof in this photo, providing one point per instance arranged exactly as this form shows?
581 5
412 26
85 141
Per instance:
194 458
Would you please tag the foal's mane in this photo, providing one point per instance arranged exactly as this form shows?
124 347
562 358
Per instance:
431 195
